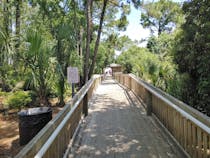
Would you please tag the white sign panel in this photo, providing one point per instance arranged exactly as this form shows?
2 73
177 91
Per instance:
72 75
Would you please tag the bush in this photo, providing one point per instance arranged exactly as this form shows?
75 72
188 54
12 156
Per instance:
18 99
3 94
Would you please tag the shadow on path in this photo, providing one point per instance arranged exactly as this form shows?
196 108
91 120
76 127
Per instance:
117 126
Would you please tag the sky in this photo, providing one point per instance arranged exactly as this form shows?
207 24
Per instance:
134 29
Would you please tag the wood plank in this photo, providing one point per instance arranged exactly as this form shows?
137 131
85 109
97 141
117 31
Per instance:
195 113
208 151
178 128
205 146
194 141
169 120
185 134
174 124
189 131
199 138
181 131
116 128
167 117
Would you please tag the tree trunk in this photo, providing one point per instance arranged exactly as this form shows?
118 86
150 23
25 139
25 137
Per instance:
160 28
6 17
61 97
88 36
76 28
18 5
43 100
98 38
17 24
61 78
91 21
80 42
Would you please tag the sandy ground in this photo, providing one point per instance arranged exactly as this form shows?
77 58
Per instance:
9 134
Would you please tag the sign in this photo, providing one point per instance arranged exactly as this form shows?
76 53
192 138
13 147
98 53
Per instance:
72 75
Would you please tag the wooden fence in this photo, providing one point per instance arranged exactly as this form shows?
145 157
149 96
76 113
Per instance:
187 126
53 140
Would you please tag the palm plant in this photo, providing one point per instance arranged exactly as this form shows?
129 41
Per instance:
6 55
40 64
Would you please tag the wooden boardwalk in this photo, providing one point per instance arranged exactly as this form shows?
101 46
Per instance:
117 127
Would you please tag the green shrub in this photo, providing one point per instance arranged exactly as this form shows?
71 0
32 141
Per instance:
19 86
3 94
18 99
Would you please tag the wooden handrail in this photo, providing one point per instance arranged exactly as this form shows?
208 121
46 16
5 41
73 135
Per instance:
189 127
53 139
157 93
195 113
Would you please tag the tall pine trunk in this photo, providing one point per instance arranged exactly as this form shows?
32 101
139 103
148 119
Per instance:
98 38
17 24
80 52
88 38
61 81
18 5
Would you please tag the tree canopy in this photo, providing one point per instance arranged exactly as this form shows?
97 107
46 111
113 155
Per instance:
161 16
193 53
40 39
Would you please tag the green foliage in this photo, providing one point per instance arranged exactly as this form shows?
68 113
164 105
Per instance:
40 64
6 54
162 45
151 67
5 78
104 58
40 39
39 57
64 21
141 62
124 43
17 100
116 15
3 94
6 46
193 54
161 16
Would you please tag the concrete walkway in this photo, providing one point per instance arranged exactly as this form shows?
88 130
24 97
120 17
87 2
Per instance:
117 127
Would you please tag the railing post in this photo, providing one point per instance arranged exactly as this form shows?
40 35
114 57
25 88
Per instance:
149 103
130 83
85 104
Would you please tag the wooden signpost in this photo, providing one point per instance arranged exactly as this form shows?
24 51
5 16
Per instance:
72 77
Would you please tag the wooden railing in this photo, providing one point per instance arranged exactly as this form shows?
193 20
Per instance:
54 139
189 128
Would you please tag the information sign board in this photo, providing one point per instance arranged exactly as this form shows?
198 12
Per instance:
72 75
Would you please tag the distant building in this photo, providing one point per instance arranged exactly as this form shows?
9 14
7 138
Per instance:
115 67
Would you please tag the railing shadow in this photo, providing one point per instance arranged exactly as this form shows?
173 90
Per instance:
118 128
188 128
